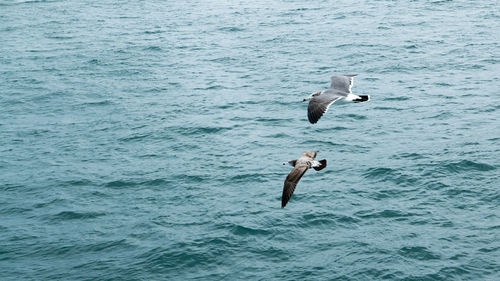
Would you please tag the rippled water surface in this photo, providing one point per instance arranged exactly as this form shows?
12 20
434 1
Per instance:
144 140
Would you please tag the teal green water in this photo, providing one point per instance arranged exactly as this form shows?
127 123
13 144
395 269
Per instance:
144 140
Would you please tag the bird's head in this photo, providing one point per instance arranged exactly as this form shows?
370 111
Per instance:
311 96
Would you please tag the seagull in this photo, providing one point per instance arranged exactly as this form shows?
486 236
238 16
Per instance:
339 89
300 165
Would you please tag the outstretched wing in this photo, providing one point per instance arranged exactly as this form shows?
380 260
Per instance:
343 82
318 105
291 182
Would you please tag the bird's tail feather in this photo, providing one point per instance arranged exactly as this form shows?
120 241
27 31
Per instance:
362 98
323 165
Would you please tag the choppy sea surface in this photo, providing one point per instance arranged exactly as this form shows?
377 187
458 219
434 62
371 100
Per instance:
144 140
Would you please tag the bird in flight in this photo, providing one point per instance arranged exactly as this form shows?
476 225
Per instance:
339 89
300 166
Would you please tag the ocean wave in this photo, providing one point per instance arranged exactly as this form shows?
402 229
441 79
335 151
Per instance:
254 177
55 249
96 103
327 220
189 131
120 183
370 214
335 128
353 116
397 176
153 48
14 210
408 155
180 256
240 230
445 168
388 108
72 215
148 183
466 165
418 253
51 202
231 29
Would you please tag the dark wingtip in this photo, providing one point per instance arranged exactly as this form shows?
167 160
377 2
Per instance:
313 119
284 201
362 98
323 165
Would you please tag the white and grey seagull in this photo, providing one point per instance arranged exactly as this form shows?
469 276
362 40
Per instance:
339 89
300 167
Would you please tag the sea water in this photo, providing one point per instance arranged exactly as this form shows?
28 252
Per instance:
144 140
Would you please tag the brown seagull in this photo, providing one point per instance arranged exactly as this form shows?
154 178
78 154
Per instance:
300 165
